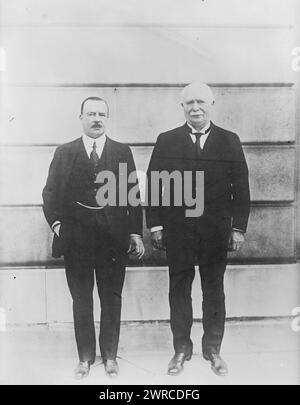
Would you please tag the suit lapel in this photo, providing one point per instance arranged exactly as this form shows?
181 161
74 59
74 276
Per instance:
212 147
110 158
73 153
186 147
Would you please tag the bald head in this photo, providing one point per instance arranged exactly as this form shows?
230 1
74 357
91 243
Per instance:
197 101
197 90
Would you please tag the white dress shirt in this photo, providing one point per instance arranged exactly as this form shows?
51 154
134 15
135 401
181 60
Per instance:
89 142
203 138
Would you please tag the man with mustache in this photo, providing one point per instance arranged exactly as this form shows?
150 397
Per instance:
95 240
200 145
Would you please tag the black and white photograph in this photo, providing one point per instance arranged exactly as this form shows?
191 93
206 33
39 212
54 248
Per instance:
149 195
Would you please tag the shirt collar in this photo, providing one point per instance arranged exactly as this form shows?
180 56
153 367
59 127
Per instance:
89 142
202 130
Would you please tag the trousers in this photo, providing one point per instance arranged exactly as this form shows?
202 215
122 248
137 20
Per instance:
91 254
186 246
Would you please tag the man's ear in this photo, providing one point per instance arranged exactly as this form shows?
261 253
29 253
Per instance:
80 116
213 102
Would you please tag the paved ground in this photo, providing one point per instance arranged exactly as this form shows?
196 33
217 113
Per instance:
256 352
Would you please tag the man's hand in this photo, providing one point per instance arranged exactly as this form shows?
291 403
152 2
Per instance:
136 246
236 240
157 240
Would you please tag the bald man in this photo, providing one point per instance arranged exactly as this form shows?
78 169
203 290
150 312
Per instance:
199 146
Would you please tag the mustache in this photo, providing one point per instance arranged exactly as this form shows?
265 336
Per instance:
96 126
198 112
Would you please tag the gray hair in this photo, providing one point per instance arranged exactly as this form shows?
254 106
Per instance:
202 89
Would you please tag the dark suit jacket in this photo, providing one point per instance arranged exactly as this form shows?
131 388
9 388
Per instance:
122 220
226 186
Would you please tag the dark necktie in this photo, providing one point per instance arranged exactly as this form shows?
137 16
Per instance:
197 144
94 155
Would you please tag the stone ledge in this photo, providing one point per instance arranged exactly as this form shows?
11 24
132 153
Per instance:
39 295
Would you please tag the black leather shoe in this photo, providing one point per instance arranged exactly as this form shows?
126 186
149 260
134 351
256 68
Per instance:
82 370
111 368
175 366
218 365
